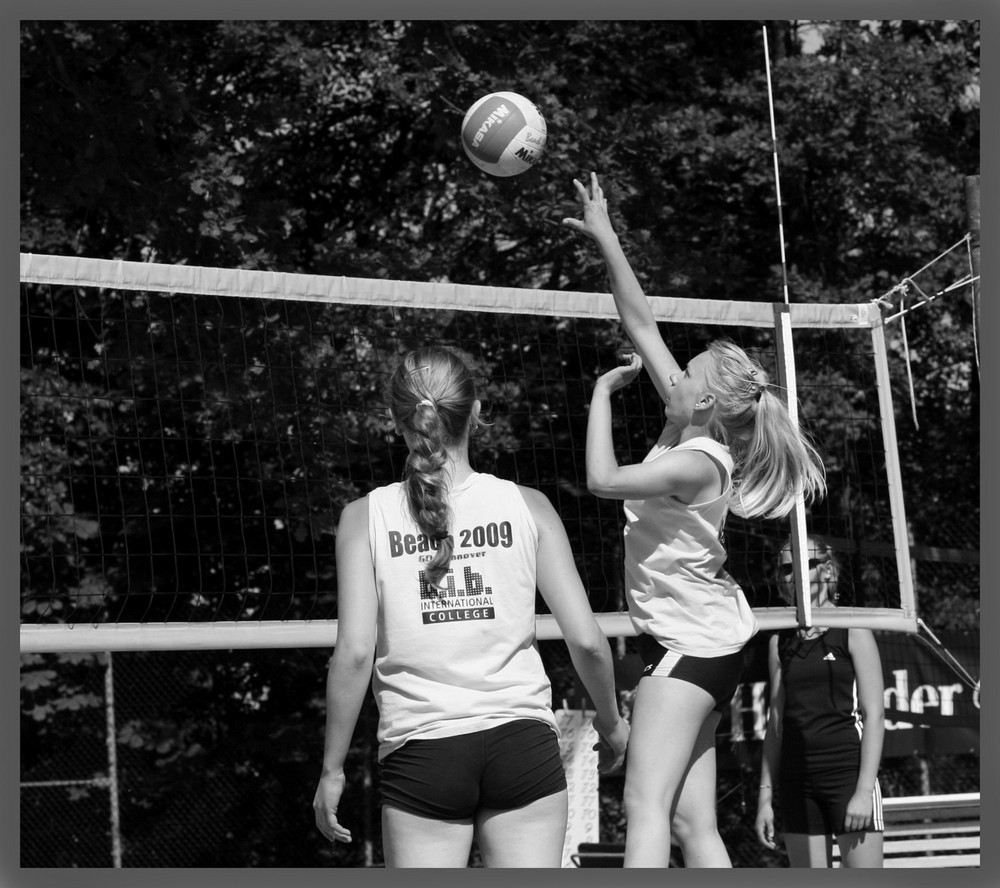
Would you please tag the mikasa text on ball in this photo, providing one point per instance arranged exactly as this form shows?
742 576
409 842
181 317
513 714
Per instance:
503 134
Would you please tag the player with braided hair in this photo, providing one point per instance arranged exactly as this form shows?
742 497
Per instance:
430 427
437 578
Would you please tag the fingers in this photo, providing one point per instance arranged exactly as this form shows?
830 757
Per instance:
331 828
766 837
764 828
595 194
857 823
631 365
626 373
608 762
610 755
595 189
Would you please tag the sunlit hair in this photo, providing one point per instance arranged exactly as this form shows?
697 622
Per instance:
430 396
773 459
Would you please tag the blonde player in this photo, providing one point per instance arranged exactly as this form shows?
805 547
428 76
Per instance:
728 443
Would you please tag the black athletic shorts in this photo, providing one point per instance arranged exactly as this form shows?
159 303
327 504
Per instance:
451 778
720 676
814 793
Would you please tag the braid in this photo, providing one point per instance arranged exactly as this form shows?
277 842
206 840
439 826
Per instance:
431 395
427 497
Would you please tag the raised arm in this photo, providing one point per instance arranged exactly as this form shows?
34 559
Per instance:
563 591
631 302
351 666
690 476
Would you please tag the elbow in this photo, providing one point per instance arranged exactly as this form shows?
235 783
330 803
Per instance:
594 647
599 485
354 657
874 715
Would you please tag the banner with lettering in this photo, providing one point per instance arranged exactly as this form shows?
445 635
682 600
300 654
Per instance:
930 705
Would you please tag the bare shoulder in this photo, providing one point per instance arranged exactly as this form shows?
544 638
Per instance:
546 518
536 501
354 516
860 635
861 643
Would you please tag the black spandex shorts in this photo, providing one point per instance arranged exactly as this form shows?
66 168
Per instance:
720 676
451 778
814 795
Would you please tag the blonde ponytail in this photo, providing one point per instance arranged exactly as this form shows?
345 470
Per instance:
774 461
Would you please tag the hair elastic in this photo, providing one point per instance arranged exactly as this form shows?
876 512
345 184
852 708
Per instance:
426 401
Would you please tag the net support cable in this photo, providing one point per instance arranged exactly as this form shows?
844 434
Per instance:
902 289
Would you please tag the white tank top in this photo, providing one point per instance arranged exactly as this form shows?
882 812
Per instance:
464 658
677 589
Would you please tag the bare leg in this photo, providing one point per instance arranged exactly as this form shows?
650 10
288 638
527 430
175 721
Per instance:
861 850
694 821
667 720
409 840
809 851
530 836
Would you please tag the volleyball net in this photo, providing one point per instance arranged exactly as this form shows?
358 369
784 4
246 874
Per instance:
189 436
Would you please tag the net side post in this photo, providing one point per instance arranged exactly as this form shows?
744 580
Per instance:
894 477
111 735
786 378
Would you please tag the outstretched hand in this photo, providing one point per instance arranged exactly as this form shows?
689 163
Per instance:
596 222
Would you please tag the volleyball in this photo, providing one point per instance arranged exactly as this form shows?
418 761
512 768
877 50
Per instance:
503 134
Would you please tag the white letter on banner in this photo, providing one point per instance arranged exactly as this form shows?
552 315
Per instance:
757 707
902 694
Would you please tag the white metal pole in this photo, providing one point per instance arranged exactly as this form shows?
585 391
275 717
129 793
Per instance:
109 710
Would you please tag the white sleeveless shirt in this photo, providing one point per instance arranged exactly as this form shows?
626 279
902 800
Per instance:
463 658
678 591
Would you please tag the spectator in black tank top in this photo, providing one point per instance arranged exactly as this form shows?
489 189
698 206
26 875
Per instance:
824 731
